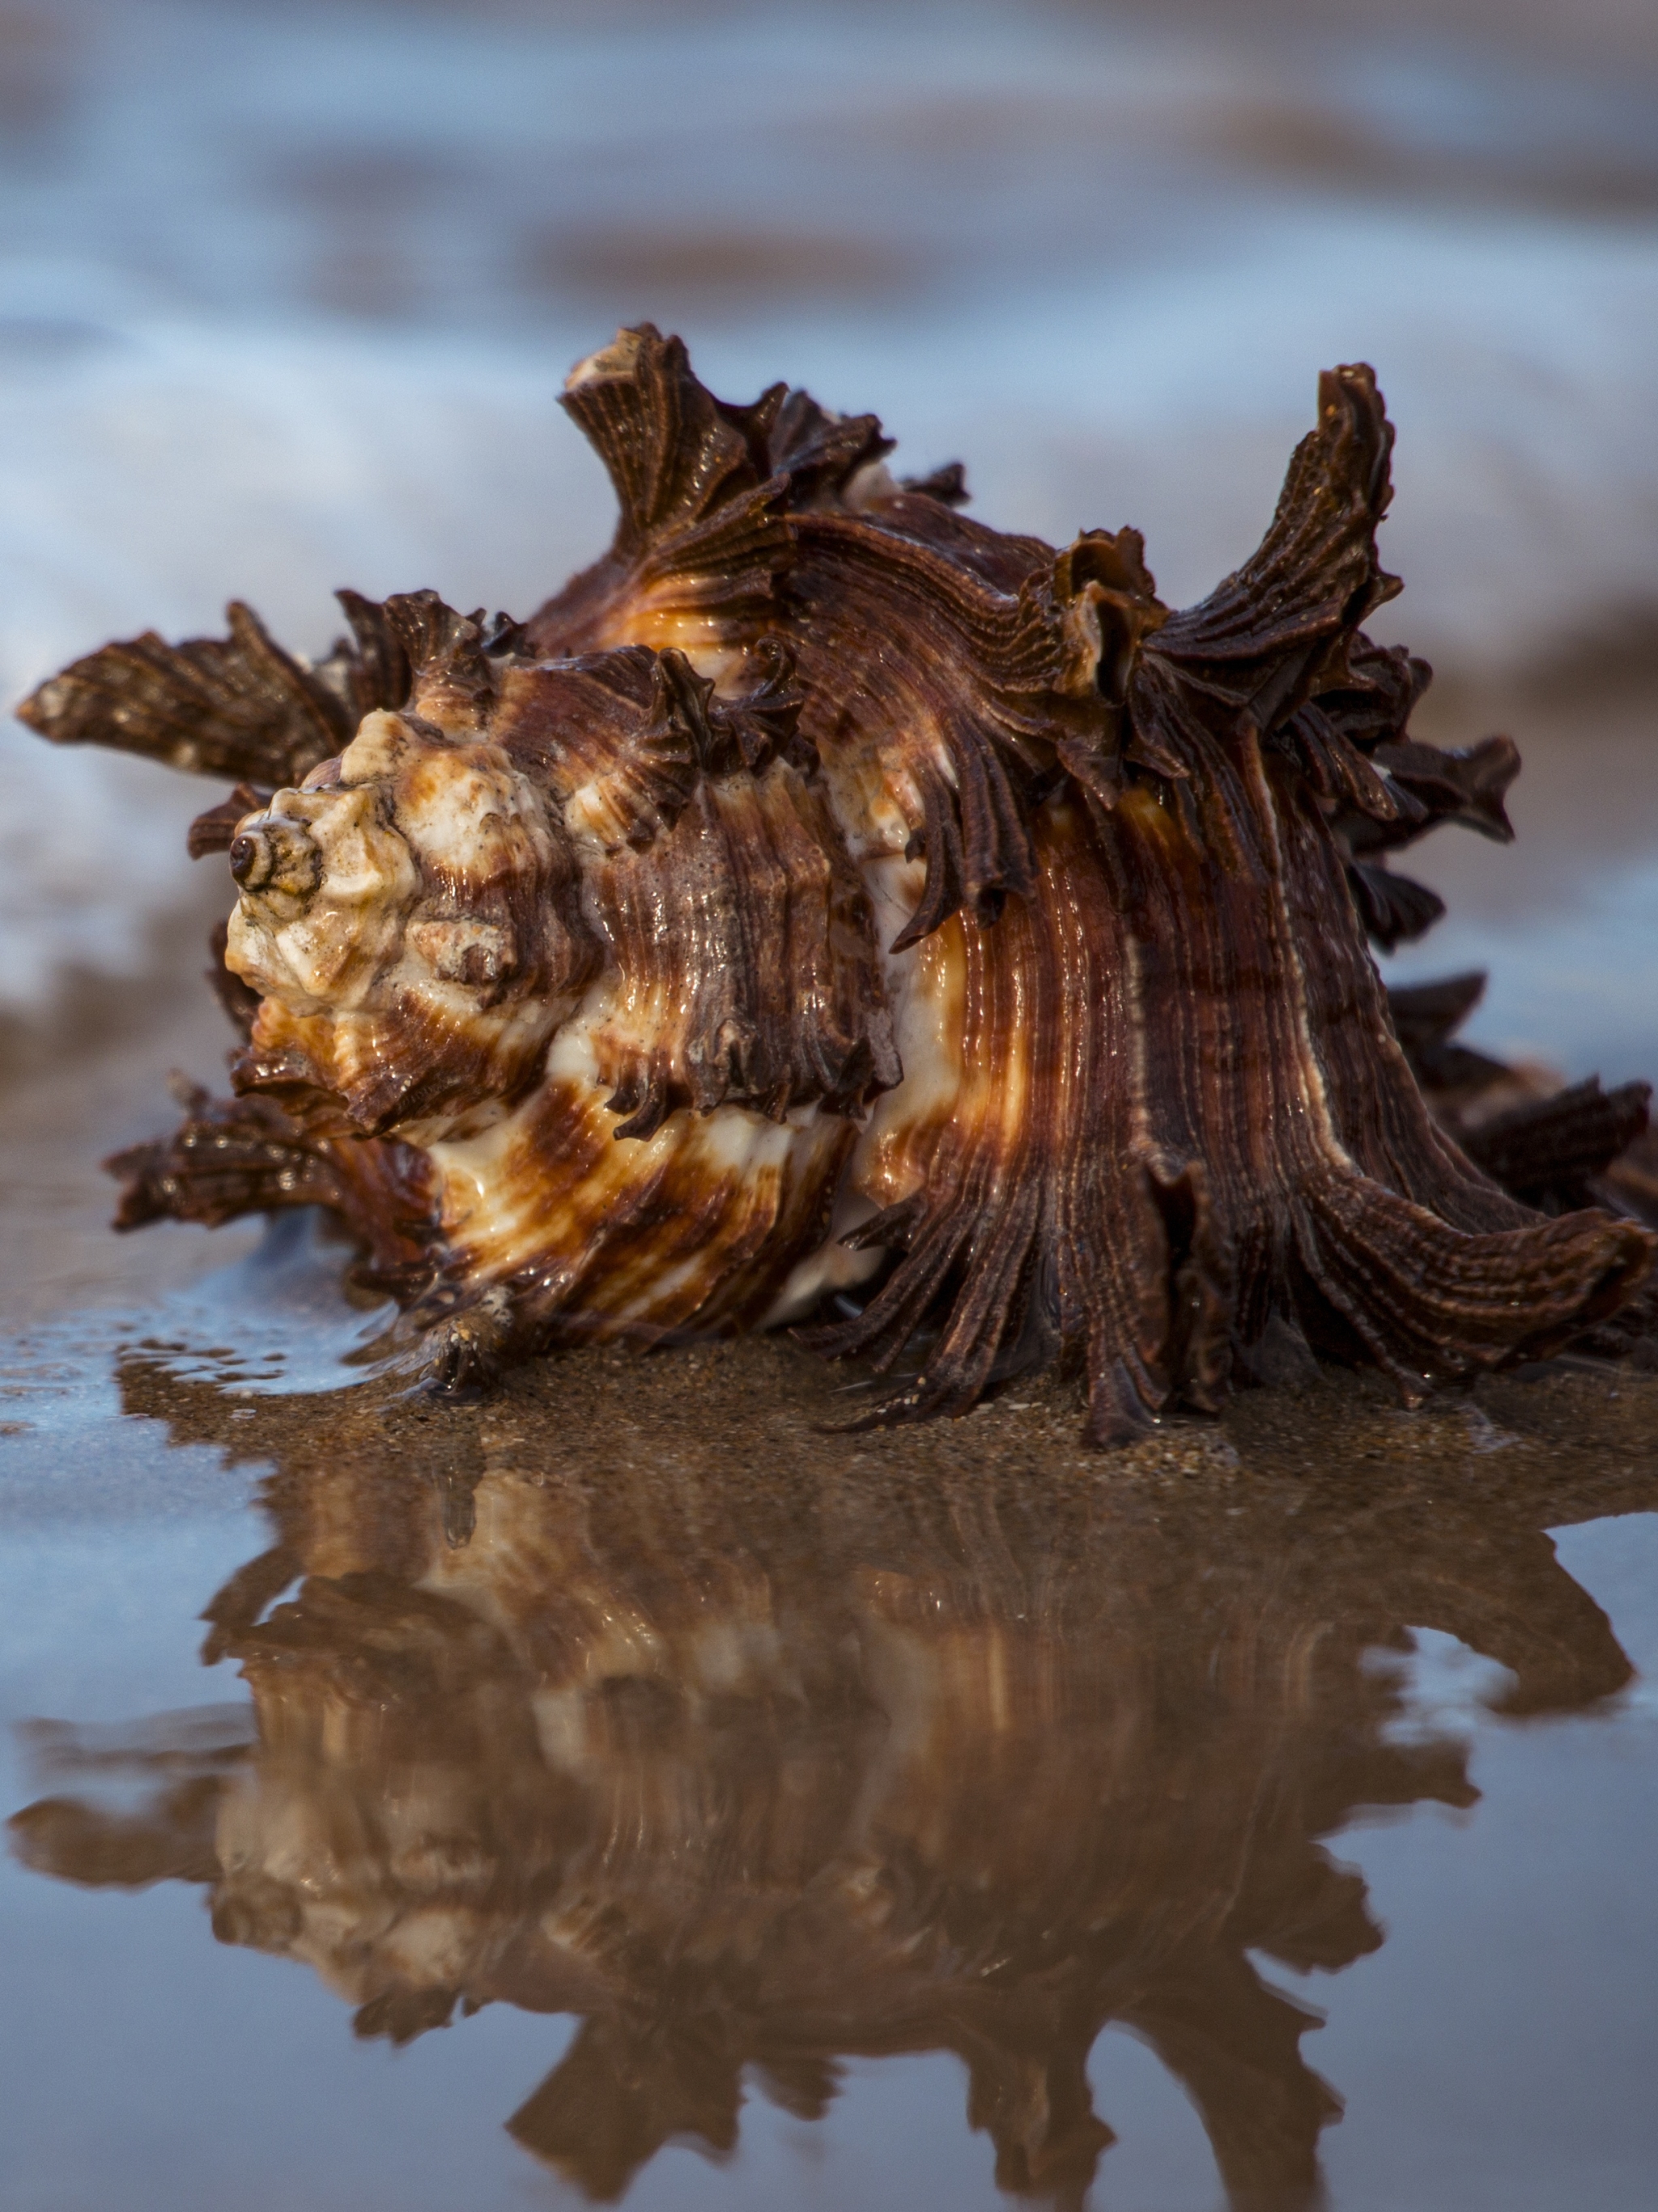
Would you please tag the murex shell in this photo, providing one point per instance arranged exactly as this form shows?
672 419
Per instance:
830 907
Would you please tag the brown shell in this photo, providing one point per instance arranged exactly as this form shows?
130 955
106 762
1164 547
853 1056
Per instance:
825 894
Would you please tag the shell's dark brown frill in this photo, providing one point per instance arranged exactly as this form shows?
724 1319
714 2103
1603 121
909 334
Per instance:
233 1156
1558 1147
919 907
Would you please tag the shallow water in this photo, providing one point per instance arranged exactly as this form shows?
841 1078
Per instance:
632 1787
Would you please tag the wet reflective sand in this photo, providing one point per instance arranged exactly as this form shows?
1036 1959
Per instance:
773 1815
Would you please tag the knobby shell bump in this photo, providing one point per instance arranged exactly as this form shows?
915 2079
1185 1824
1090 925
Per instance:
829 909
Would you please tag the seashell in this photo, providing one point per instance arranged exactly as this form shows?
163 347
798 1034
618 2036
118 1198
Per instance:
827 906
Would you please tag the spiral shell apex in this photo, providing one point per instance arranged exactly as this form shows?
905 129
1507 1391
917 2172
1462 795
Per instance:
826 909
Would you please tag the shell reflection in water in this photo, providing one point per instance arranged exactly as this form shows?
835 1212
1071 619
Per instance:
755 1774
826 897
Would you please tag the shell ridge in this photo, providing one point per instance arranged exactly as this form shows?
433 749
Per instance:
1258 644
703 525
983 681
746 930
237 706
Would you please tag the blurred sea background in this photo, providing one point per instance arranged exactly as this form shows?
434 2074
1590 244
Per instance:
288 294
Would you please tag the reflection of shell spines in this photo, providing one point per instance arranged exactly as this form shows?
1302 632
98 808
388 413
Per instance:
825 1753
